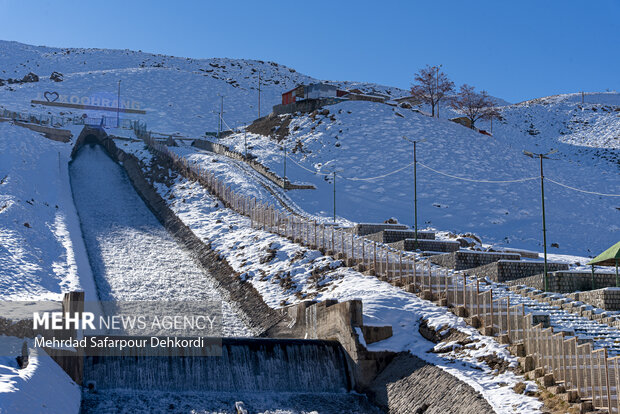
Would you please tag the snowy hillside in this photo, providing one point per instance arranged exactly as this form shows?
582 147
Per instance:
178 94
42 253
364 140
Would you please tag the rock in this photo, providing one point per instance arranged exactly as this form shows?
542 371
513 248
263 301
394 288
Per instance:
30 77
57 77
22 360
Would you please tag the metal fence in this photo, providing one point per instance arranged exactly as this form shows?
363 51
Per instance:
572 360
57 121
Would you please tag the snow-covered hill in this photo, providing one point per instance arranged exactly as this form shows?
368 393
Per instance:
179 94
363 140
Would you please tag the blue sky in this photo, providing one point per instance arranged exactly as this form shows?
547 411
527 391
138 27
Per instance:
514 50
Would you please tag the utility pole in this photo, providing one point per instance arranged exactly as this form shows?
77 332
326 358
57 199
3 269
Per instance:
284 148
582 97
245 142
259 93
334 179
542 195
415 188
219 124
118 106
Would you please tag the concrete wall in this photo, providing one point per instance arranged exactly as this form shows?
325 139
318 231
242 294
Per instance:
568 281
395 235
505 270
256 166
331 320
467 259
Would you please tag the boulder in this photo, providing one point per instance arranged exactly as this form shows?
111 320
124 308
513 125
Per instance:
57 77
30 77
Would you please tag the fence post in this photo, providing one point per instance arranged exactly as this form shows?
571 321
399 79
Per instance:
607 380
508 319
375 257
478 298
464 291
387 263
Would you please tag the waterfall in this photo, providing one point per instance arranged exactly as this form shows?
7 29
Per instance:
245 365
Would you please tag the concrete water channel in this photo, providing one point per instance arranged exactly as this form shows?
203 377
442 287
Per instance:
133 257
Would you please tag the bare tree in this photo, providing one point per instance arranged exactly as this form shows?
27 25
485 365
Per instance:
474 105
431 86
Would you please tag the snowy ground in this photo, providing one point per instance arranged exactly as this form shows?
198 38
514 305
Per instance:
364 142
179 94
361 140
42 253
41 387
287 279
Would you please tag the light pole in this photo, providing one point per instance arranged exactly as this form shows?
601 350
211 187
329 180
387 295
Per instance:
415 188
219 125
118 105
542 196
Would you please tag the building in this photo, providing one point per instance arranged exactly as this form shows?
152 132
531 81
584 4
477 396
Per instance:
312 91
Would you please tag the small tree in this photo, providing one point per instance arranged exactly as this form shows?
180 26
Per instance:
431 85
474 105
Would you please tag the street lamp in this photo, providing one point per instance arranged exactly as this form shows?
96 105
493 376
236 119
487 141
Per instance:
542 195
415 188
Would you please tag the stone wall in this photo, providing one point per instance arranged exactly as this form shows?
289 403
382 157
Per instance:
411 385
395 235
427 245
467 259
364 229
505 270
606 298
568 281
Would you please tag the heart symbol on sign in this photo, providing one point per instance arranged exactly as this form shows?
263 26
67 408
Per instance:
50 95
